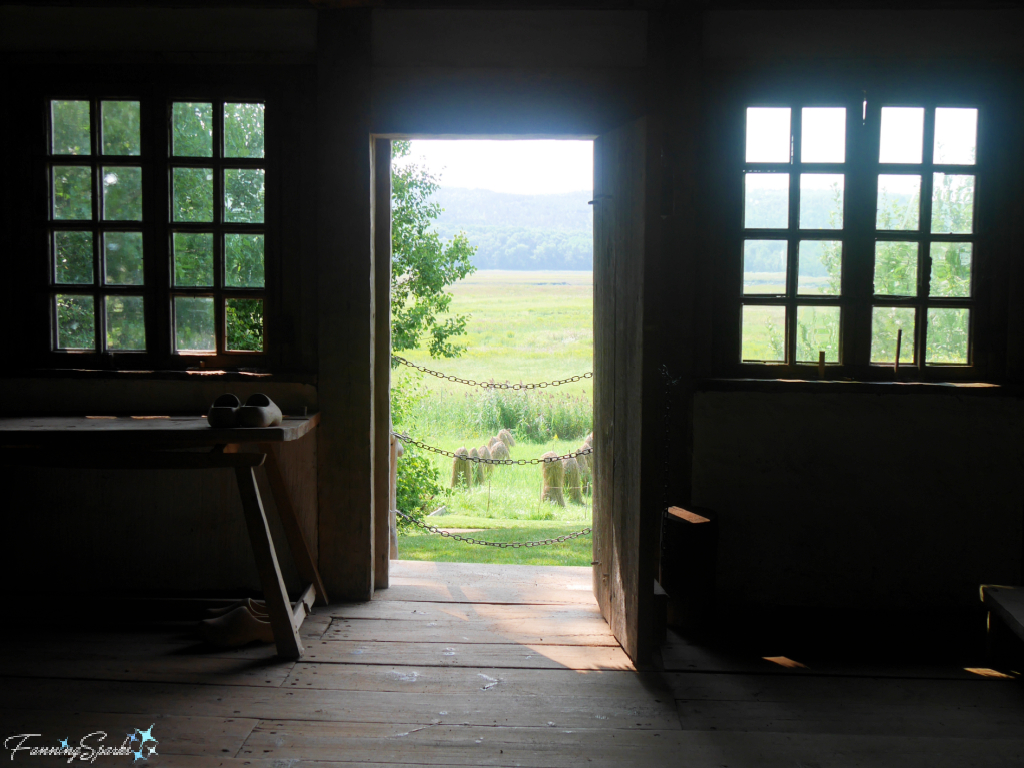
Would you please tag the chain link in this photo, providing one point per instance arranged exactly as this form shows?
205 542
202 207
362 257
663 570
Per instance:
498 544
491 384
508 462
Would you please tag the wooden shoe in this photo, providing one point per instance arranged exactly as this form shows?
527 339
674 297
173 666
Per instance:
258 607
238 627
224 412
259 411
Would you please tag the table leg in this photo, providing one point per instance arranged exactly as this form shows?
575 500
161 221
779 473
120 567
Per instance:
274 592
292 530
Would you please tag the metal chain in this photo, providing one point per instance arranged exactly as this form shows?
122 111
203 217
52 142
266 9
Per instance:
508 462
491 384
499 544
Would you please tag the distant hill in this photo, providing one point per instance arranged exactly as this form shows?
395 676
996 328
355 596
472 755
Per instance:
520 231
531 232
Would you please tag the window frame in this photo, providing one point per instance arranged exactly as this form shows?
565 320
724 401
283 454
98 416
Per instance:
724 172
158 228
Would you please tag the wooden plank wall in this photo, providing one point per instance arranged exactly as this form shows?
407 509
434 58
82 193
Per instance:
382 363
619 198
346 305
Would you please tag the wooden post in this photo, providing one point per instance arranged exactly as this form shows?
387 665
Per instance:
393 499
382 440
821 364
899 345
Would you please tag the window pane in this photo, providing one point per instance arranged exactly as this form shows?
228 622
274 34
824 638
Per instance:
244 324
768 135
193 194
948 330
956 136
72 192
126 324
194 324
193 258
821 200
70 128
243 261
122 194
951 269
823 135
902 136
72 257
764 266
817 330
821 267
953 204
764 334
243 195
243 130
886 322
76 322
192 129
121 128
122 257
766 204
899 202
896 269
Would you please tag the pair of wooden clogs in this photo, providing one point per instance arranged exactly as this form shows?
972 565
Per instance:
239 624
258 411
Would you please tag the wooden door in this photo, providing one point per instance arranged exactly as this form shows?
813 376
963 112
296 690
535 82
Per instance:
620 242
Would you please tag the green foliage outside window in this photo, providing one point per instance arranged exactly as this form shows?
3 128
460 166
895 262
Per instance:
244 324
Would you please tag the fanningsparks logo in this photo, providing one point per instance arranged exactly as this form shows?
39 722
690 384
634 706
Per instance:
139 745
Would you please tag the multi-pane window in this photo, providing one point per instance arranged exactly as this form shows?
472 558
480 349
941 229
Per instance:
793 233
96 235
193 269
912 234
217 178
924 233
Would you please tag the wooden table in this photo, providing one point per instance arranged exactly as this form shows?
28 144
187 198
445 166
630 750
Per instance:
142 442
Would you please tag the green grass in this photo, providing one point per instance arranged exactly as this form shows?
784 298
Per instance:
428 546
524 327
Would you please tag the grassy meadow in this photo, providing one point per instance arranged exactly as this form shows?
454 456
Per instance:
523 327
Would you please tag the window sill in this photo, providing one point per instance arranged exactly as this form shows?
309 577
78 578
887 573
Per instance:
167 375
779 386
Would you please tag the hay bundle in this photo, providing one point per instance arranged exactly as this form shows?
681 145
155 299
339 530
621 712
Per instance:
506 437
499 451
553 475
573 483
482 471
492 441
462 472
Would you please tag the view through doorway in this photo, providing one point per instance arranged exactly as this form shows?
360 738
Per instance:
492 283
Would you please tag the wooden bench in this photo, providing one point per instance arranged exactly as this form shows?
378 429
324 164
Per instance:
131 443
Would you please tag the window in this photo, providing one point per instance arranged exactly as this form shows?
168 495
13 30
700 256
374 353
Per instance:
96 226
837 195
177 276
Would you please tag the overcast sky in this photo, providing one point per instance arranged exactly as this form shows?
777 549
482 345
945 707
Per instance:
520 167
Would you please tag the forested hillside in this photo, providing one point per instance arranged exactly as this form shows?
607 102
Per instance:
520 231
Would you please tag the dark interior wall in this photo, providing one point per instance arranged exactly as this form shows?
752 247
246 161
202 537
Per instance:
347 74
871 501
167 530
839 495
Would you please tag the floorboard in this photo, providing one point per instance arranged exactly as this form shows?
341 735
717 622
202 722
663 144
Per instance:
466 665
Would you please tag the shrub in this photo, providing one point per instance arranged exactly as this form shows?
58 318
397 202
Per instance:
418 485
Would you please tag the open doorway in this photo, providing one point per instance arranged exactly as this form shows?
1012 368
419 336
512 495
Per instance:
492 339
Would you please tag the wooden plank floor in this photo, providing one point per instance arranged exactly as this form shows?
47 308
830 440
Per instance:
467 665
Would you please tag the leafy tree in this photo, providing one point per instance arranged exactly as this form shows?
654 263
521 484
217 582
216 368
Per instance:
422 265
